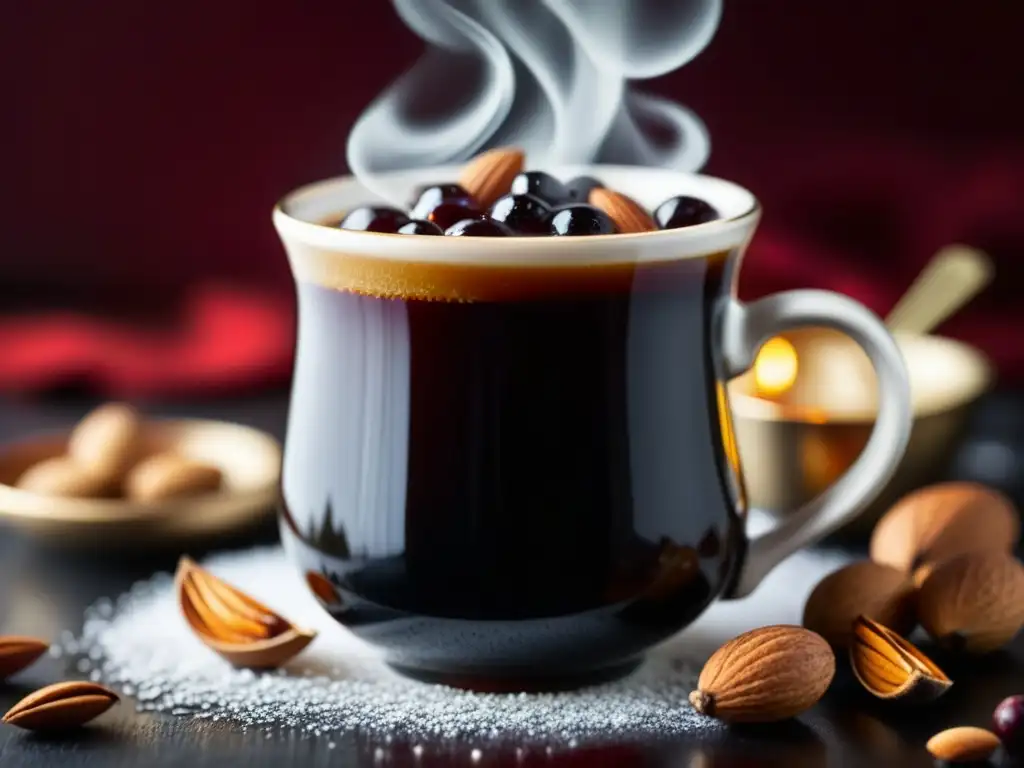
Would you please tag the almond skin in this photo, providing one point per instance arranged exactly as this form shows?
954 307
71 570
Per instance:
61 706
963 745
489 175
169 476
974 603
877 591
765 675
629 216
107 439
939 522
17 652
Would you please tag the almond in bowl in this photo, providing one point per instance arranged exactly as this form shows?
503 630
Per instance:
185 478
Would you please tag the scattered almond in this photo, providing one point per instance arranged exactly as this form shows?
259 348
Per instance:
489 175
239 628
942 521
864 588
170 476
61 706
629 216
16 653
974 602
63 476
107 439
768 674
963 745
890 667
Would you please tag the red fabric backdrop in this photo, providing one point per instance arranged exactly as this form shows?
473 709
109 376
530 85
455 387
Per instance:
145 144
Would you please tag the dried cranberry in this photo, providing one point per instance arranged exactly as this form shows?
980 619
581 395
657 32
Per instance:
374 219
580 219
524 214
684 211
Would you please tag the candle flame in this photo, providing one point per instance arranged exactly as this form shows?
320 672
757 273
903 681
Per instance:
775 368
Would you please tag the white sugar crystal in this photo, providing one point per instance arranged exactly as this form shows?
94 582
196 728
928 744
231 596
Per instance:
139 642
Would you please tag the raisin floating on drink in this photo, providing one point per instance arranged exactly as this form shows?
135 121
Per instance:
420 227
684 211
479 228
541 185
374 219
447 214
433 196
578 189
524 214
580 219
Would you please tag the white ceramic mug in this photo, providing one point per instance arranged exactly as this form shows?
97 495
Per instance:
513 458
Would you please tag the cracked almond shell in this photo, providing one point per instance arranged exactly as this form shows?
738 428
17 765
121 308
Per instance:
237 627
892 668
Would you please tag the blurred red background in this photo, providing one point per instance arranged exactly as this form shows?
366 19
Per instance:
147 142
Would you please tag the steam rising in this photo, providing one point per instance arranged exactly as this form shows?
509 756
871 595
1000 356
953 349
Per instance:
551 76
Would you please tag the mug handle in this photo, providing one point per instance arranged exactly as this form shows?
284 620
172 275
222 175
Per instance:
744 329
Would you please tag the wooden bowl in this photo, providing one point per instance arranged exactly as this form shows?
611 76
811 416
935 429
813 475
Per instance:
249 459
792 449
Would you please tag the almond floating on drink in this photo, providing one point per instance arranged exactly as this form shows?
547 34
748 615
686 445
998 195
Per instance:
489 175
629 216
170 476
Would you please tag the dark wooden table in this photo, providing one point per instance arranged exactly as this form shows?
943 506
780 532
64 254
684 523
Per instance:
43 592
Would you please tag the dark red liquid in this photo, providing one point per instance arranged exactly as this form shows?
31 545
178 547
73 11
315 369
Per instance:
530 485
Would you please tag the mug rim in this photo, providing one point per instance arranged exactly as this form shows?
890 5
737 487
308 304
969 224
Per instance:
517 249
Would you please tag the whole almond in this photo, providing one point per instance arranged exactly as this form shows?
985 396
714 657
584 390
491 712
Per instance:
965 744
937 523
973 603
629 216
864 588
63 476
489 175
17 652
768 674
108 438
170 476
61 706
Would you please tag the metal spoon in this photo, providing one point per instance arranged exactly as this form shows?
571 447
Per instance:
954 276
